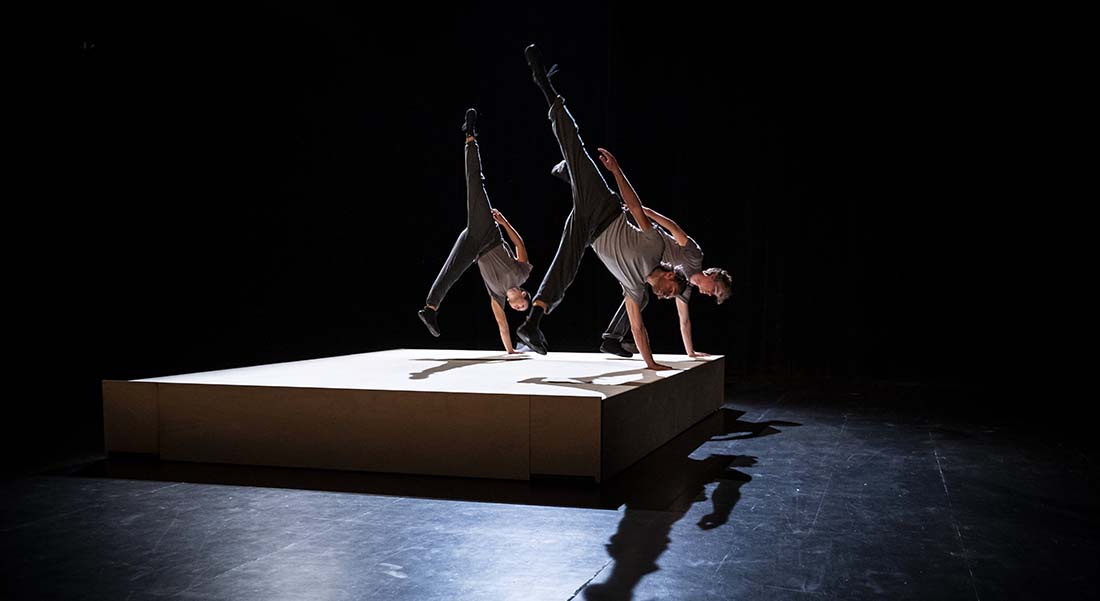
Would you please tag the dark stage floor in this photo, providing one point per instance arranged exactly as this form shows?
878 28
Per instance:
803 494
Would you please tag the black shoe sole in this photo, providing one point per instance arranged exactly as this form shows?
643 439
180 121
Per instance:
530 342
469 127
534 58
538 69
615 350
434 331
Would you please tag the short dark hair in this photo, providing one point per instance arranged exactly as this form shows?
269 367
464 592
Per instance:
678 276
681 281
724 281
524 295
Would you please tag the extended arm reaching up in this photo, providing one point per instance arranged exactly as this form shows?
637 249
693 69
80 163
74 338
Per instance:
521 250
630 197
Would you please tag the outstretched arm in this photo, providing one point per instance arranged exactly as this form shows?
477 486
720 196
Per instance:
521 250
630 197
685 328
641 337
673 228
502 325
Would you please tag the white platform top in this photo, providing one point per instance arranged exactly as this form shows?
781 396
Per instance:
435 370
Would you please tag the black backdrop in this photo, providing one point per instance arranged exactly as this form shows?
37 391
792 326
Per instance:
247 186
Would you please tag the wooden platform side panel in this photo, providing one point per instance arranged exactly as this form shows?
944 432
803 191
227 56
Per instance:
384 431
638 422
130 417
565 436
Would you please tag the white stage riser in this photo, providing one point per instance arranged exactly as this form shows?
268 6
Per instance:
449 433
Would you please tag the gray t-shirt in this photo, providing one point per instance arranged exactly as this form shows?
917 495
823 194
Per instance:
500 270
687 258
630 255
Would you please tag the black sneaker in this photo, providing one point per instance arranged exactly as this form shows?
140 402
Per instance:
561 171
629 346
429 316
471 120
539 72
532 336
614 347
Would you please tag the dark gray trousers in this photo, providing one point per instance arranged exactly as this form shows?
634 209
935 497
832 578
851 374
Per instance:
619 328
595 206
481 231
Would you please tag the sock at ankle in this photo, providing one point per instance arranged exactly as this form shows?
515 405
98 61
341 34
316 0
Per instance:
536 315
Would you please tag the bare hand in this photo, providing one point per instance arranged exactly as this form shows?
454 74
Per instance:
515 352
659 367
609 161
499 217
698 354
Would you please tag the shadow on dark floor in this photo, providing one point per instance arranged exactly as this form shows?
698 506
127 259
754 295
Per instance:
643 536
653 494
654 505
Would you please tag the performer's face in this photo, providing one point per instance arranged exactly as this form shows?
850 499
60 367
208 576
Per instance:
707 285
665 287
517 299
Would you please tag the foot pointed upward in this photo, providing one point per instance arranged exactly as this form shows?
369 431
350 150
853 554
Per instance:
539 72
468 126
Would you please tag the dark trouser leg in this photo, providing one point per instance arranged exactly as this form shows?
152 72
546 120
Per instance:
620 324
619 328
594 202
463 255
480 230
563 269
594 206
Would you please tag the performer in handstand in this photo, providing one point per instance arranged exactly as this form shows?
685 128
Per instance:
631 254
683 254
481 242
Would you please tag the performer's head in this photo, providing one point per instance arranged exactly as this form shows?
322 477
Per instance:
666 281
716 282
518 299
